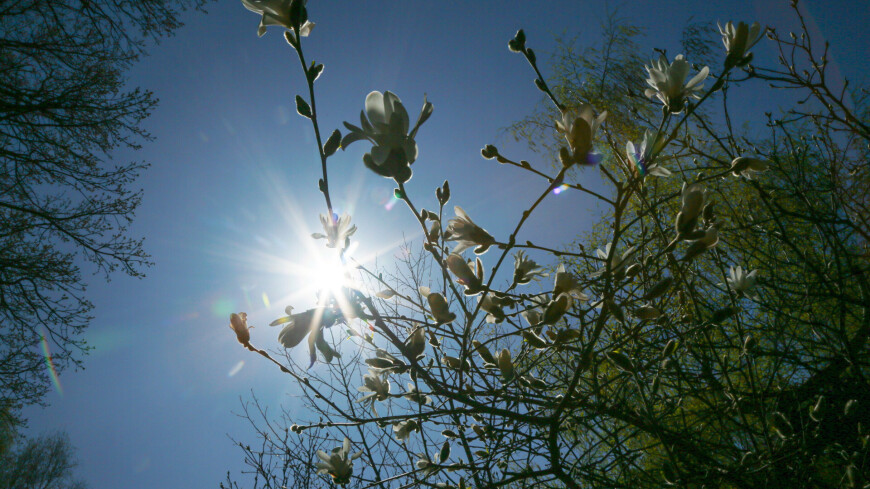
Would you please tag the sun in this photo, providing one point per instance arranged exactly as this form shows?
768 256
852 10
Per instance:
327 273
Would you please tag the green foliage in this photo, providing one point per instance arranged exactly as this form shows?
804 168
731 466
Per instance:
46 462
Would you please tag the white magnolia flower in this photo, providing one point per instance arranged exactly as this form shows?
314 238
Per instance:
415 344
434 232
467 234
643 158
438 306
425 464
738 40
310 323
745 166
278 12
378 387
471 279
416 396
667 79
386 124
739 280
556 308
618 263
403 429
338 230
337 464
525 269
707 241
579 126
567 283
532 316
493 306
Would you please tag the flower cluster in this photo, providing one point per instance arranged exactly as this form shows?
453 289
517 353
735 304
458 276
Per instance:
630 285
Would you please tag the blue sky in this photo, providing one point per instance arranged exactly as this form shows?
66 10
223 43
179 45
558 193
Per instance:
231 197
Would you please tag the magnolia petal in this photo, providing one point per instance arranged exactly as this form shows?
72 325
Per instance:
375 108
293 334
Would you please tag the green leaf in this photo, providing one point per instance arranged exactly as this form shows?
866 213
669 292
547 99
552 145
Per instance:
445 451
658 289
314 72
621 360
332 143
302 107
720 315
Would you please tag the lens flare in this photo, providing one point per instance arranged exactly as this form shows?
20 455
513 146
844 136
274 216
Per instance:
561 188
391 203
49 364
233 371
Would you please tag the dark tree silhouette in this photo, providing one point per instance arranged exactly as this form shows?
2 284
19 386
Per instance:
46 462
65 203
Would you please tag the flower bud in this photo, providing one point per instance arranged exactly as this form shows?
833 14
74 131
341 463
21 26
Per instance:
556 309
416 343
534 340
743 165
505 365
781 425
484 353
647 312
621 360
658 289
818 410
670 348
452 362
440 309
239 324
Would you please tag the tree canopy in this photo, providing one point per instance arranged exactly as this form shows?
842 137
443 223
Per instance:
712 331
65 201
